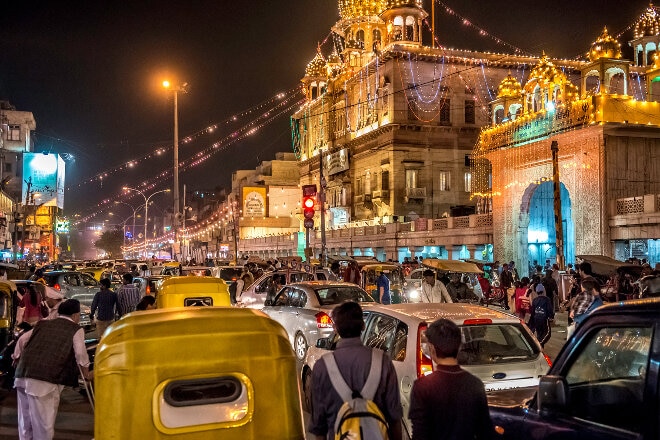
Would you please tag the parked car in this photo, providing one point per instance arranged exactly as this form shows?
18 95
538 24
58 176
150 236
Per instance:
229 273
497 347
24 286
304 309
255 295
149 285
72 284
603 384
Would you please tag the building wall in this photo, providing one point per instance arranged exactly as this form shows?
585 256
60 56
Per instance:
633 162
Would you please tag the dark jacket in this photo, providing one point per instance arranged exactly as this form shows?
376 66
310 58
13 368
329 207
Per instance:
49 354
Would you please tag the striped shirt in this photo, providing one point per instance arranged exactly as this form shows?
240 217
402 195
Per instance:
128 296
106 302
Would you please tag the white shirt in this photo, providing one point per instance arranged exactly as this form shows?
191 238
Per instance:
436 293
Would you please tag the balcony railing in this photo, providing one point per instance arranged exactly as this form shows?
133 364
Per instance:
416 193
648 203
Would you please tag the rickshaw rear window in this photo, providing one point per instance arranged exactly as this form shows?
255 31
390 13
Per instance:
205 301
205 391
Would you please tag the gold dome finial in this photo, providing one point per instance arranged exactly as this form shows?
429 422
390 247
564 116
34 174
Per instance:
317 67
509 87
605 47
360 8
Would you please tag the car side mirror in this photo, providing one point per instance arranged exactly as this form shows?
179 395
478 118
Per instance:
552 394
268 302
324 343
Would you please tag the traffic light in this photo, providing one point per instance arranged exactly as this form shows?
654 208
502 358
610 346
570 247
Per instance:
308 206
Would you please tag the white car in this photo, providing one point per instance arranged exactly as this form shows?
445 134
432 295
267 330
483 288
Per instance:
497 347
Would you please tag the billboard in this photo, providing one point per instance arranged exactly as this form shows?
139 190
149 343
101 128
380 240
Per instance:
254 201
45 173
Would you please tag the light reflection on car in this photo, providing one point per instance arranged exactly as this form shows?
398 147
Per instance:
304 309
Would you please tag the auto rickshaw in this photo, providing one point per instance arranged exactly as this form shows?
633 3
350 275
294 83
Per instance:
197 373
193 291
96 272
468 272
392 271
8 306
172 268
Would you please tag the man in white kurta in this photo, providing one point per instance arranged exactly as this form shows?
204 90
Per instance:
46 360
433 291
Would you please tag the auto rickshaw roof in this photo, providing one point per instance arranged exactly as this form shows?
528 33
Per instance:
603 265
451 265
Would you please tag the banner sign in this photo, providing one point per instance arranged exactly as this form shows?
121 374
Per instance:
335 162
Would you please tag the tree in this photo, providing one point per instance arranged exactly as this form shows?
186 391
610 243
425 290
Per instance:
111 242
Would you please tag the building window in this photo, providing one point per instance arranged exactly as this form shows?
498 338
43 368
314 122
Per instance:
14 133
469 112
468 182
358 186
385 180
444 181
367 183
412 109
411 178
445 111
7 167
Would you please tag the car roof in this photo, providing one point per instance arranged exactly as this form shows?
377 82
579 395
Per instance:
457 312
636 305
323 283
59 272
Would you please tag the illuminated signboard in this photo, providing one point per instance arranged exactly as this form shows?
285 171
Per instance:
336 162
45 172
254 201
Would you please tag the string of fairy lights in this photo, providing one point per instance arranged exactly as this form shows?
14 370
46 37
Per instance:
263 119
160 151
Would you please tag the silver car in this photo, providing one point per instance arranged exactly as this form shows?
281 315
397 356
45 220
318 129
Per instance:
255 295
497 347
304 309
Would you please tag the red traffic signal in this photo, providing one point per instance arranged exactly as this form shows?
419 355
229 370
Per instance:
308 207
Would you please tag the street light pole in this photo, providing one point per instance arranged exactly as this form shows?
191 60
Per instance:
146 211
176 89
134 214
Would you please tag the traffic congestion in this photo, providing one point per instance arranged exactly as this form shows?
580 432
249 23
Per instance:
269 322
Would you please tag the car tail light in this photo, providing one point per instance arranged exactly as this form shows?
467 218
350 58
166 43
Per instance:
57 287
424 363
148 290
477 321
323 320
547 359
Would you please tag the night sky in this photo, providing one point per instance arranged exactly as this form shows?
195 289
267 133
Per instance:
91 71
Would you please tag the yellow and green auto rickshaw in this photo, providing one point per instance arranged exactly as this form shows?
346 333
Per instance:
197 373
393 271
193 291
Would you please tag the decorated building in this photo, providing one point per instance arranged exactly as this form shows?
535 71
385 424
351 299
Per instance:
607 140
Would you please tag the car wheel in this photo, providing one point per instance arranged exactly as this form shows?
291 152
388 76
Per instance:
307 390
300 346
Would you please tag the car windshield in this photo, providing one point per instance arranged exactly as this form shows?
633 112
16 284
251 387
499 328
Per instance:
338 294
495 344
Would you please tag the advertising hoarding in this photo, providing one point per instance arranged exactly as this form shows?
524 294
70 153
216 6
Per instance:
45 172
254 201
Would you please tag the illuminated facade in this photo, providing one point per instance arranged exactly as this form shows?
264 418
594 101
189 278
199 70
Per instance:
396 123
609 167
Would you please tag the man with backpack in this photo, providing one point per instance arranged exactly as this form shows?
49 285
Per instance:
354 379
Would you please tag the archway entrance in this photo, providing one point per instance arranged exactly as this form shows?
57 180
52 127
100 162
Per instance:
537 212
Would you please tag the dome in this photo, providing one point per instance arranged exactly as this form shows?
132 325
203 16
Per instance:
509 88
605 47
316 67
544 73
648 24
360 8
389 4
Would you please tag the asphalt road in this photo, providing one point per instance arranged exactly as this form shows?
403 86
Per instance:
75 419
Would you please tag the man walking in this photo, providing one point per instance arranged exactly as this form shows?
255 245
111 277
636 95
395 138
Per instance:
383 288
449 403
105 300
433 291
353 361
542 312
506 281
128 296
45 365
